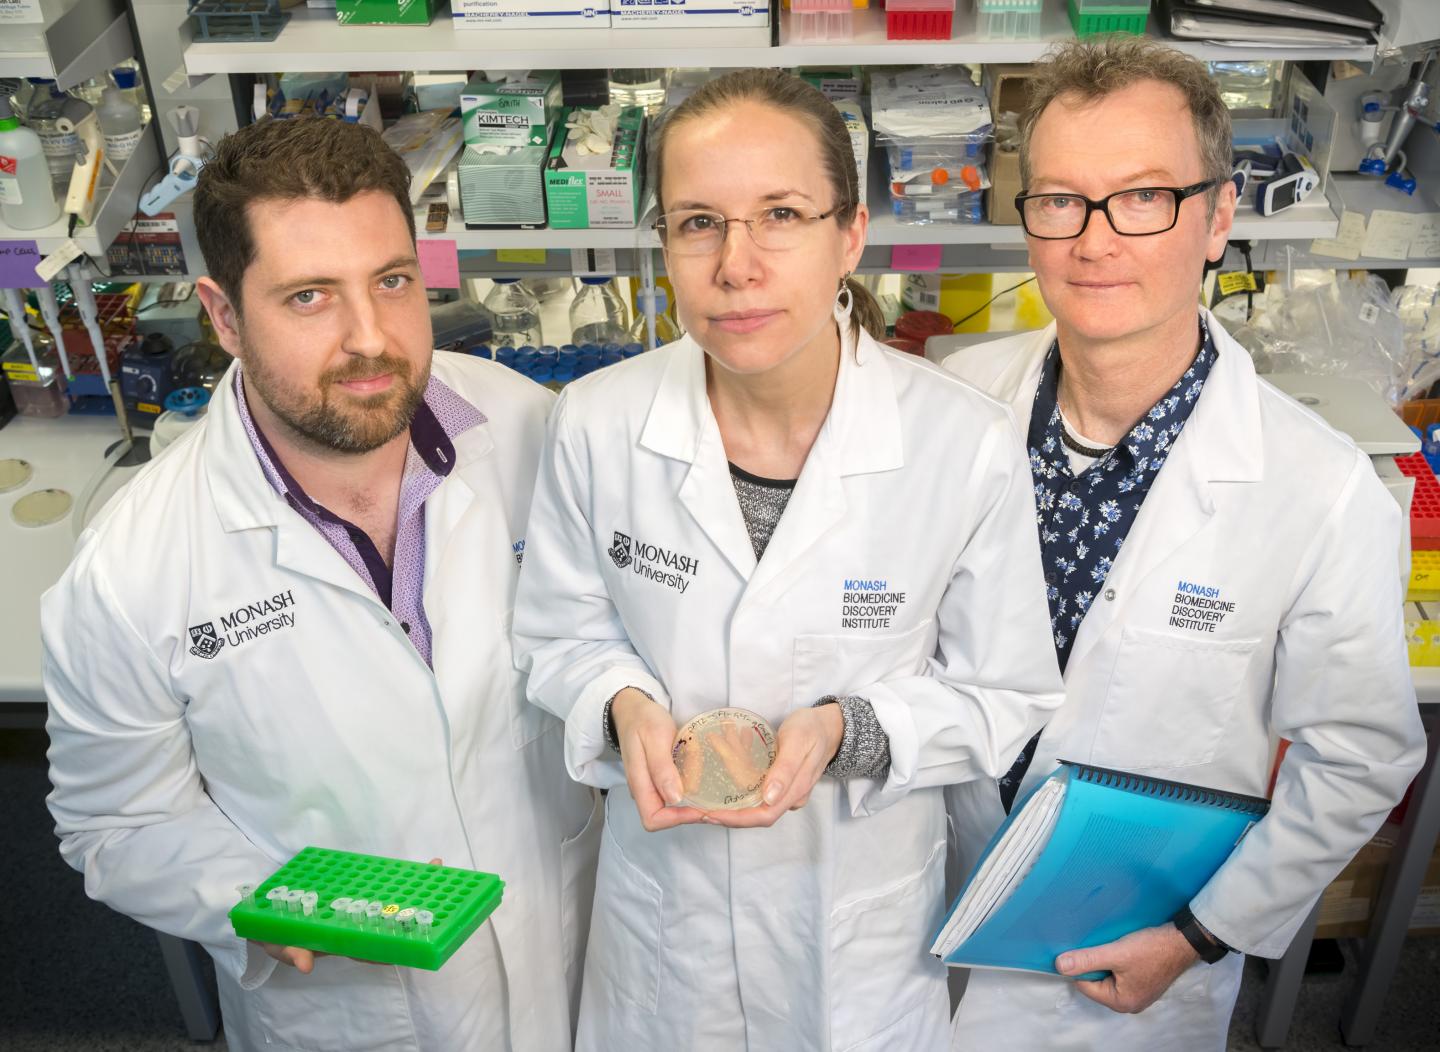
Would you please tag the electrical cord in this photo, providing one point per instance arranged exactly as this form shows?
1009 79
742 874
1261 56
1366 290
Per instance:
992 299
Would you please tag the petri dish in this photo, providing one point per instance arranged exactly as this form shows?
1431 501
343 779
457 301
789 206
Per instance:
722 756
14 473
41 508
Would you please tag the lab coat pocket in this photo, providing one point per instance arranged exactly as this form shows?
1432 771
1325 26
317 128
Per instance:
1170 699
879 953
302 1012
577 885
624 950
843 664
527 721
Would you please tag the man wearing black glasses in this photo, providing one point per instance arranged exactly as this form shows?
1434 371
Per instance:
1220 565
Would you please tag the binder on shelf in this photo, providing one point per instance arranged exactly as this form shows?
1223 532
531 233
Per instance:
1089 856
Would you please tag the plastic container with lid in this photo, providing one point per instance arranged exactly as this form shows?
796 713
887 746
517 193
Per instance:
1091 17
822 19
920 325
1007 19
919 19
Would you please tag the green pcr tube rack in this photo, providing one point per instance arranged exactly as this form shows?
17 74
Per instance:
385 910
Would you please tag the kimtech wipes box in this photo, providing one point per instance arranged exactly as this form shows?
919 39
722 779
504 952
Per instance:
511 112
637 14
530 14
597 190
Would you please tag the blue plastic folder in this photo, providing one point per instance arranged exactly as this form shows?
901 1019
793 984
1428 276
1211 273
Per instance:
1089 856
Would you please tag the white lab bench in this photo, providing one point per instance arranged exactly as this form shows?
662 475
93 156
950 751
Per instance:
66 453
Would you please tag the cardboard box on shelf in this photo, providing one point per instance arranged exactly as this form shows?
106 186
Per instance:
587 191
1008 86
1348 904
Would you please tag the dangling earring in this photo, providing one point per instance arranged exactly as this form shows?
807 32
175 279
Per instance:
844 302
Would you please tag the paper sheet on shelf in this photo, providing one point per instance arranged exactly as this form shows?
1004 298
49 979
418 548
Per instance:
1346 243
1387 235
1425 242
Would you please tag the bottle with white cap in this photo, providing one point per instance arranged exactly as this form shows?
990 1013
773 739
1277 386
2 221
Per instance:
120 124
27 195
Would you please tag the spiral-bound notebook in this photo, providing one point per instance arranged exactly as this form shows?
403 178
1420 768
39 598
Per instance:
1089 856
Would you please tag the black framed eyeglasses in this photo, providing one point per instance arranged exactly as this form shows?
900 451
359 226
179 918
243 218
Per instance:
1138 212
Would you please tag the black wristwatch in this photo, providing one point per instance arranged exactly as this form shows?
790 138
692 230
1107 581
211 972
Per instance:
1207 946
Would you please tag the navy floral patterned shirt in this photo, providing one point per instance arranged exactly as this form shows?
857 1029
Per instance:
1084 520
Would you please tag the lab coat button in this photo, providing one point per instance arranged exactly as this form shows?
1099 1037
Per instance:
1109 595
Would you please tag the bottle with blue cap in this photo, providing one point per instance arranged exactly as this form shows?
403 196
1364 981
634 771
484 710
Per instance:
598 314
516 314
666 331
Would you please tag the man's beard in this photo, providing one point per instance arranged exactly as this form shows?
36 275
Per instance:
362 424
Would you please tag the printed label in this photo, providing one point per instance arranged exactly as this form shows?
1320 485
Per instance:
121 146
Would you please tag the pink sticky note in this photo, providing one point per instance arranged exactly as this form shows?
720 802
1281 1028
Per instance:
439 263
915 257
17 265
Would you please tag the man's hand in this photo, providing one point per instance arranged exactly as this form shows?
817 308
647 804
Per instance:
303 961
1142 966
647 738
804 745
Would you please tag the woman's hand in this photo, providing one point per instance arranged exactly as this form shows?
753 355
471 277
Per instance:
646 731
804 745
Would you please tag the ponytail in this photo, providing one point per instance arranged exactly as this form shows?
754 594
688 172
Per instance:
865 312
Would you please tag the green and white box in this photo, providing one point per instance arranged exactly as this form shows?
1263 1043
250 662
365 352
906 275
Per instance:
511 113
585 191
385 12
671 14
530 14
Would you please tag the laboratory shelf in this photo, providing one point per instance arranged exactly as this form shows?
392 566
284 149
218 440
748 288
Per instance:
111 214
79 39
1312 219
312 42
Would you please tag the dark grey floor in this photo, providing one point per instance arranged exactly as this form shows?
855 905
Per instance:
76 977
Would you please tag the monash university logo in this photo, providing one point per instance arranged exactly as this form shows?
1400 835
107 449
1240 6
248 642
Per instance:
620 551
204 642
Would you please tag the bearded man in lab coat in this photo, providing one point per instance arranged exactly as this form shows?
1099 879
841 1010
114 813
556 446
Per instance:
1220 564
292 628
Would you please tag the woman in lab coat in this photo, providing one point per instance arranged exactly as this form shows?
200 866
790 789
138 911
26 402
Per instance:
778 514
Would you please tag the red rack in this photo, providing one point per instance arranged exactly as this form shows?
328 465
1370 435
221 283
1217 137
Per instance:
1425 504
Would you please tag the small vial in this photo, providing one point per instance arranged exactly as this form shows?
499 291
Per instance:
423 920
356 911
292 899
307 903
246 892
406 920
340 906
276 896
372 912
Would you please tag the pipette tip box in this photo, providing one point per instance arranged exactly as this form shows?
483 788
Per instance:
410 913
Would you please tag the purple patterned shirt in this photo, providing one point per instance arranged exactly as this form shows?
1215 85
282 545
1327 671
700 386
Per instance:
441 416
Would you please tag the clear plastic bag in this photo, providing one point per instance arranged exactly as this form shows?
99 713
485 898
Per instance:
1341 327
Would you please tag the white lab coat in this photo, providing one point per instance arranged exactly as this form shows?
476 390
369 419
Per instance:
812 934
1262 500
178 776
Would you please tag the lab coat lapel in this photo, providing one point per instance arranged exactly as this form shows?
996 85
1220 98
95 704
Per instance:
861 434
1219 446
452 500
244 498
682 427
